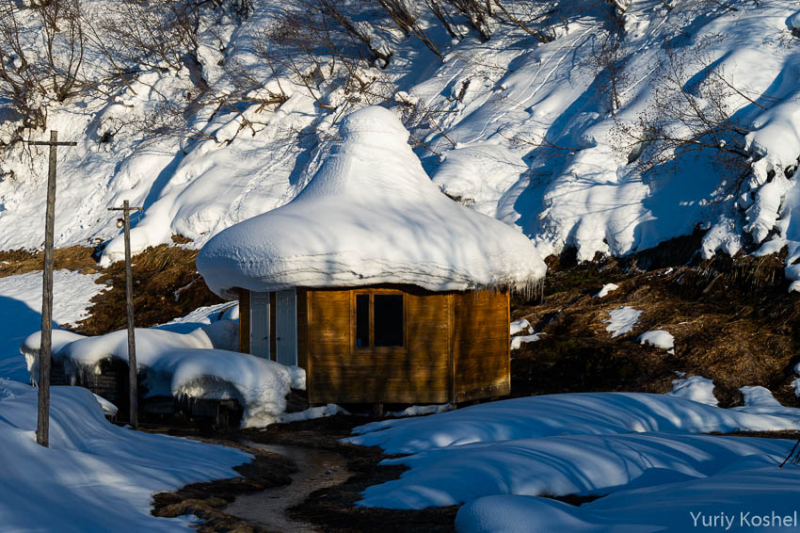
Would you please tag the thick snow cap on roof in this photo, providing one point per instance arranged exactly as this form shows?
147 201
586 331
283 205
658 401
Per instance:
370 215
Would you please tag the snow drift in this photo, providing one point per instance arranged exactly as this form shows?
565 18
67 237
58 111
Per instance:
20 312
95 476
572 414
635 447
370 215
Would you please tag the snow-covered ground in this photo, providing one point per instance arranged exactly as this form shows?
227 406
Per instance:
95 476
641 453
20 312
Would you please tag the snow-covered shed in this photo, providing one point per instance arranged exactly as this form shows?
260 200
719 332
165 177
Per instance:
384 289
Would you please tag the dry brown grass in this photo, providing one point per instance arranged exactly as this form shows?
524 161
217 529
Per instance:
732 319
166 286
13 262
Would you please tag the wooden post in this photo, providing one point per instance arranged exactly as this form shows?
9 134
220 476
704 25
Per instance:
43 422
133 383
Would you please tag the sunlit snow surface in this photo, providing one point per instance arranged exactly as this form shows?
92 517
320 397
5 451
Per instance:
659 339
486 149
369 216
621 321
644 450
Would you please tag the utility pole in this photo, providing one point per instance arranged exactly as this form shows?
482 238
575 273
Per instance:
133 384
43 422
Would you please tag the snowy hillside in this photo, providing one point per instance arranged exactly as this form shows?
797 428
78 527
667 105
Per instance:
605 125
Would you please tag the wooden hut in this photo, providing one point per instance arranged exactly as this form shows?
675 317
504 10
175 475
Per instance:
382 288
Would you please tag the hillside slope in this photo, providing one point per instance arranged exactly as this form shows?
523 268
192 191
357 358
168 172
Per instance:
627 124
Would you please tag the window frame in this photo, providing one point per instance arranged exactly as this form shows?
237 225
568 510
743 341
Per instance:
354 328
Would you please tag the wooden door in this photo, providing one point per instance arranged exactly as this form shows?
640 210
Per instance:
259 324
286 327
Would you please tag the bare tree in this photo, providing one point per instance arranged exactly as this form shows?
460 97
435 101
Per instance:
404 16
479 13
608 59
528 16
685 118
38 67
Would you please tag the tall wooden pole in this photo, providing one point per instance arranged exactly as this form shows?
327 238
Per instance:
43 422
133 382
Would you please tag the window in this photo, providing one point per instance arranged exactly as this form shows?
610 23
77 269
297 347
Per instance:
362 320
379 320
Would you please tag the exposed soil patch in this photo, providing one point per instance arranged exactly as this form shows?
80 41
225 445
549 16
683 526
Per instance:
785 434
13 262
574 499
166 286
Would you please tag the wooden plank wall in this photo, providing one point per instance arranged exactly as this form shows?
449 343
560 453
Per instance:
481 345
337 372
427 376
302 329
328 346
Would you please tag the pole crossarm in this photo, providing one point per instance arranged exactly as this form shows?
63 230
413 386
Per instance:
53 143
126 208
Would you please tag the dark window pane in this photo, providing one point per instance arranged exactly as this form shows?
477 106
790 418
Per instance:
388 319
362 320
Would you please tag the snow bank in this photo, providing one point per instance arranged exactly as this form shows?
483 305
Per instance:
95 476
422 410
313 413
258 384
598 464
520 326
370 215
189 364
568 414
757 396
518 341
747 495
569 444
33 342
622 320
20 312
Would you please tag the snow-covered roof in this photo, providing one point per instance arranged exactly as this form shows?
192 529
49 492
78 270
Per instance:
370 215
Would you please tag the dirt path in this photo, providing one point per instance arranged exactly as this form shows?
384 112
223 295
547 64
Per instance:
316 470
303 478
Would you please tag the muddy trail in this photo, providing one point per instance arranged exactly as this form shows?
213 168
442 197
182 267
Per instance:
316 470
303 478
